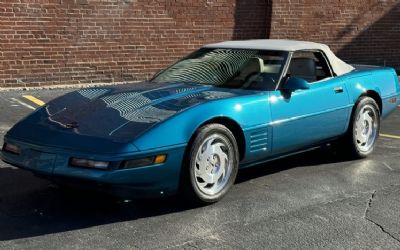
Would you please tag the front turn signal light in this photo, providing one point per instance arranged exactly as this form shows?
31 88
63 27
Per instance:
142 162
160 159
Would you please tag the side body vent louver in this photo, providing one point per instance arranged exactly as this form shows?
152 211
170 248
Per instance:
259 140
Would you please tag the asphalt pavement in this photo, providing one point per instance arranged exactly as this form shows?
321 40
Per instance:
309 201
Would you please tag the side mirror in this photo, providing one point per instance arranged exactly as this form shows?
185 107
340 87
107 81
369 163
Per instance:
294 83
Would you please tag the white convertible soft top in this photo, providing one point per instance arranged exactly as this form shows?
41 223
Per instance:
338 66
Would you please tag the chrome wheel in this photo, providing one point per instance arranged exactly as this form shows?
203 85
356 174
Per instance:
213 164
366 128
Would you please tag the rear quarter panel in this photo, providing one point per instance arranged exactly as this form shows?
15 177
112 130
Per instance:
383 81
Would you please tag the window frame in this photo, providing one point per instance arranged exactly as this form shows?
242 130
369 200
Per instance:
289 60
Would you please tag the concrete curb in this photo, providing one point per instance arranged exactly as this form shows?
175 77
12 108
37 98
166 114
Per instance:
64 86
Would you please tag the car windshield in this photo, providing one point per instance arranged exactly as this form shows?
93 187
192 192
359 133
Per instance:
230 68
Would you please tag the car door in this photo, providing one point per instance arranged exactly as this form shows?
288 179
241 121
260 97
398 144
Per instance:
306 117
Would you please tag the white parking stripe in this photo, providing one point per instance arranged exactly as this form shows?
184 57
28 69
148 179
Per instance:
22 103
387 165
2 127
5 99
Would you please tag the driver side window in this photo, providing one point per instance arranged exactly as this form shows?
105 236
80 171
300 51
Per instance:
310 66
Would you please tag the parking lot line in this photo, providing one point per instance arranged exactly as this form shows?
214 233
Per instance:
34 100
22 103
390 136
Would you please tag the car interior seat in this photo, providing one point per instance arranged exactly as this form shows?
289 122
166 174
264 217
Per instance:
253 66
251 69
304 68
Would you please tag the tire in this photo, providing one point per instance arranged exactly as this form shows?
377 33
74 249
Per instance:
211 164
364 128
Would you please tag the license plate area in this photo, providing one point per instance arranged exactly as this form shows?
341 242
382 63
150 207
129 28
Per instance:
40 161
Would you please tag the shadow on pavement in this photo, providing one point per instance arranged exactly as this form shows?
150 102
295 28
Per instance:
33 207
320 156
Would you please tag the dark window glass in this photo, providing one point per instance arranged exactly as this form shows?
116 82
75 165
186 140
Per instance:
309 65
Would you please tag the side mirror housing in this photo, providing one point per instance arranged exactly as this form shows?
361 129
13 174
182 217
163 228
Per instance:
294 83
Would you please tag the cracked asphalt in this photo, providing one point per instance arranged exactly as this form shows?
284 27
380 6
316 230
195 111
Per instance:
309 201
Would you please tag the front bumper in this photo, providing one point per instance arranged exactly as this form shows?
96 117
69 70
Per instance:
148 181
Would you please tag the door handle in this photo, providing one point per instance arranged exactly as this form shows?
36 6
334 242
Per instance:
338 90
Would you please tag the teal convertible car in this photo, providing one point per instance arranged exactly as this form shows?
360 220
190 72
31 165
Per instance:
226 106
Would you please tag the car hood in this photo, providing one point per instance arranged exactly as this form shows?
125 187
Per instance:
107 119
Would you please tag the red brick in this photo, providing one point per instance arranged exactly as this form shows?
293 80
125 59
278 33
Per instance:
80 41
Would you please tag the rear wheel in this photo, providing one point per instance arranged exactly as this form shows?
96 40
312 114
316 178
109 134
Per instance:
364 128
211 165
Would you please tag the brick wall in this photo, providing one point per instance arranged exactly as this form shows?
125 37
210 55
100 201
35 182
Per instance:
359 31
83 41
45 42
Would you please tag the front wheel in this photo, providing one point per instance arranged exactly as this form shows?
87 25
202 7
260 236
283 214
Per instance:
364 128
211 165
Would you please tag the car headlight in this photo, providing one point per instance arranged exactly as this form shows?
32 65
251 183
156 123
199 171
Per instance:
84 163
158 159
11 148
